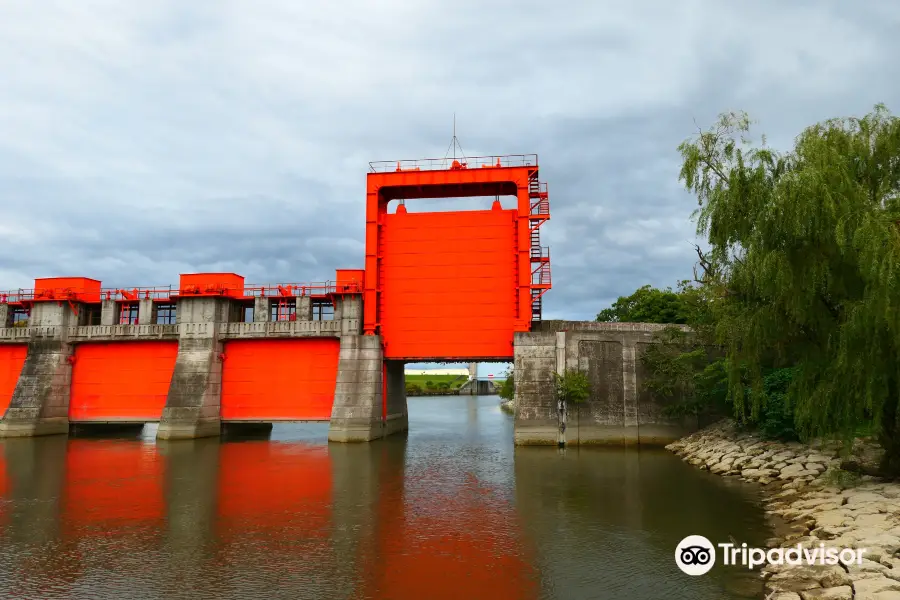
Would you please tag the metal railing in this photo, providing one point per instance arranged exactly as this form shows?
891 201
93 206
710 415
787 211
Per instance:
16 296
159 292
322 288
298 290
541 275
450 164
540 253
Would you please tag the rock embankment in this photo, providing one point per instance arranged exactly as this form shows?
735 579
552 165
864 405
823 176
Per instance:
804 485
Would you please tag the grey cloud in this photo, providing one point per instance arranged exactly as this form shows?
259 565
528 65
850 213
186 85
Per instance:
140 140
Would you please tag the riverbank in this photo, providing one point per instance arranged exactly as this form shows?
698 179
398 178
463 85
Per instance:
508 406
822 504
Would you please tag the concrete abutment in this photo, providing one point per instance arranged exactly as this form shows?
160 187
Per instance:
618 412
361 412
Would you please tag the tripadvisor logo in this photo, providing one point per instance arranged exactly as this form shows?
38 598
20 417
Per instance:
696 555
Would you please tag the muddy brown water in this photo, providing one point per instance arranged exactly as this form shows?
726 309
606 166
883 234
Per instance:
453 510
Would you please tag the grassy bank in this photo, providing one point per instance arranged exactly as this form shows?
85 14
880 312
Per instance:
434 385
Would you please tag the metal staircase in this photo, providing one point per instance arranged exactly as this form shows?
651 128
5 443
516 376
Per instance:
540 255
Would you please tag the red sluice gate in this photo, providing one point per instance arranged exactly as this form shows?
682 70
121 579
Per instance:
12 358
279 380
121 381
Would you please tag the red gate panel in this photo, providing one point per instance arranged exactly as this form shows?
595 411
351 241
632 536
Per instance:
121 381
279 380
12 357
449 282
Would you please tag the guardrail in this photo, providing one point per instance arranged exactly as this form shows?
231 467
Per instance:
159 293
280 329
111 332
452 164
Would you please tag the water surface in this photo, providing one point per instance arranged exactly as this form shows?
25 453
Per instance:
451 511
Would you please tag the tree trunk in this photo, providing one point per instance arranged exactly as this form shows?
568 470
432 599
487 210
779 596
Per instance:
890 431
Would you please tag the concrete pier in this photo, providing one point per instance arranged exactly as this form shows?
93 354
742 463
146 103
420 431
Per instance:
192 406
40 401
359 414
619 411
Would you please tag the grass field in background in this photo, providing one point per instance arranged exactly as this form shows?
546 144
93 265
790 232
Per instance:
455 381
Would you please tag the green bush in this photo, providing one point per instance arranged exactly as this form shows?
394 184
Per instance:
508 386
776 415
572 386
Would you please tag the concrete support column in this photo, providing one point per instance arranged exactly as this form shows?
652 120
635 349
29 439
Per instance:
304 308
109 313
397 418
534 360
348 309
145 312
261 309
193 402
359 413
4 315
40 401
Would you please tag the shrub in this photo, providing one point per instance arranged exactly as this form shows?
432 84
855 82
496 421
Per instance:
572 386
507 389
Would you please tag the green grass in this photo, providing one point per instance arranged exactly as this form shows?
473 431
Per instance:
455 381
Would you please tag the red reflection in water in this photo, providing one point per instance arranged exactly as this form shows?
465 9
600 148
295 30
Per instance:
269 487
459 545
4 487
111 485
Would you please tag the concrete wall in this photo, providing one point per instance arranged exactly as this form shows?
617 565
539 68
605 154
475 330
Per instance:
618 412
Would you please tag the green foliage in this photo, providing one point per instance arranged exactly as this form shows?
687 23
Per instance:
647 305
804 270
413 389
508 386
689 376
842 479
776 416
572 386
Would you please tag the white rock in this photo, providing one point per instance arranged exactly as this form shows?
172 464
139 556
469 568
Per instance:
875 585
872 520
757 473
834 518
791 471
784 455
844 592
857 497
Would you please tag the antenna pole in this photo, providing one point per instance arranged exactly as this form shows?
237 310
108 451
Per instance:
454 136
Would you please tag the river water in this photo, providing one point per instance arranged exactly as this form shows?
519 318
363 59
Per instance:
451 511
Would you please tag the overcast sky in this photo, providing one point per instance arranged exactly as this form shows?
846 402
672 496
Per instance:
139 140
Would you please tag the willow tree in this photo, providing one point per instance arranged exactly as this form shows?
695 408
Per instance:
805 260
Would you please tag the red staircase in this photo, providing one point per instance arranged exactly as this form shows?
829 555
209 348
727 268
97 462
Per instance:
540 255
